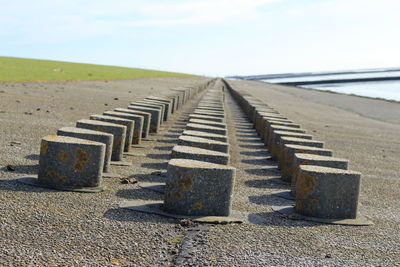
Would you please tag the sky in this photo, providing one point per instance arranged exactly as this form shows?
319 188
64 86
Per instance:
206 37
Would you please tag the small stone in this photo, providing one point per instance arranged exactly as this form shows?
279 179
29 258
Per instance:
27 113
18 101
10 168
187 223
105 104
128 181
71 108
37 109
116 98
13 143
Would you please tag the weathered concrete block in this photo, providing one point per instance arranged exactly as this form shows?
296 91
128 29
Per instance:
209 123
151 105
163 105
181 97
208 118
118 131
216 137
265 125
96 136
130 124
197 188
146 119
67 162
200 154
211 111
137 126
283 140
287 167
205 128
327 192
274 145
204 143
258 113
175 100
214 105
264 128
155 122
206 113
315 160
168 102
273 128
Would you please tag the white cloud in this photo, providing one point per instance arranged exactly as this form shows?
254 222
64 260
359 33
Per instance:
66 20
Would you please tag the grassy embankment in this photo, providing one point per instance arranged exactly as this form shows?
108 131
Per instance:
23 70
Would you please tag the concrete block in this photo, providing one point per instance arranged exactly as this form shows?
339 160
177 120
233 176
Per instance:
137 126
169 102
96 136
287 167
70 163
155 122
315 160
283 140
146 119
273 128
163 105
274 141
211 111
205 128
203 117
216 137
130 124
328 193
209 114
174 99
200 154
199 188
181 97
118 131
264 129
186 140
151 105
209 123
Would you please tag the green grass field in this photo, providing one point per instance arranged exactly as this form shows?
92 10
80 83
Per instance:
22 70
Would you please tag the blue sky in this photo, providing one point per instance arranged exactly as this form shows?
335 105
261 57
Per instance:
207 37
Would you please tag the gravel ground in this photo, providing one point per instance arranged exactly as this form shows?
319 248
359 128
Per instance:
45 227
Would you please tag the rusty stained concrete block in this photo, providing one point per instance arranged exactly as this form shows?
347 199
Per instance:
206 128
199 188
130 124
200 154
288 159
327 193
118 131
204 143
146 119
137 126
96 136
315 160
68 162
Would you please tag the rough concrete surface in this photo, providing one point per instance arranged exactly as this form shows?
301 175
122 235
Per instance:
46 227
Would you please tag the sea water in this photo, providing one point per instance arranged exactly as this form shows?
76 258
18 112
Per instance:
389 90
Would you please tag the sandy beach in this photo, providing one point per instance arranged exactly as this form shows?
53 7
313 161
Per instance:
46 227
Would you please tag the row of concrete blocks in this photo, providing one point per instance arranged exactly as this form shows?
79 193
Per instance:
199 180
78 157
321 185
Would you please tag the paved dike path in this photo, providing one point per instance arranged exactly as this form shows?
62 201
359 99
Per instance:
46 227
